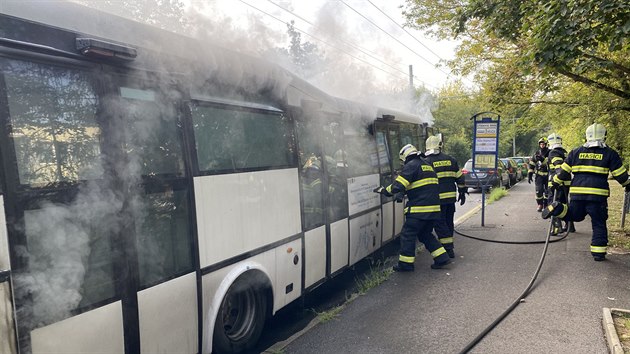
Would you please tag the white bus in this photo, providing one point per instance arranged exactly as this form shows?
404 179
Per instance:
161 195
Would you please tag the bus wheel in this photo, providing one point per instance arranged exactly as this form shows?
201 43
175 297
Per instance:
241 317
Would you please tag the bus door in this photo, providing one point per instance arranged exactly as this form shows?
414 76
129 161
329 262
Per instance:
7 328
386 177
147 164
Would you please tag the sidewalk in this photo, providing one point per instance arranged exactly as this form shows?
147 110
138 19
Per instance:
441 311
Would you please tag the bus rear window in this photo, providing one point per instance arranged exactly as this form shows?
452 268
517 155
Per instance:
229 139
53 119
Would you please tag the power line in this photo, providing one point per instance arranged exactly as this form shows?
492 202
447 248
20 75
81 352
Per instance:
328 44
402 28
394 38
362 50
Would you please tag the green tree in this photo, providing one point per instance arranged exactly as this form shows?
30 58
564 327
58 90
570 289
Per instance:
558 65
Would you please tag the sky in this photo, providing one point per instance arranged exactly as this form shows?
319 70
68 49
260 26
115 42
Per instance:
366 33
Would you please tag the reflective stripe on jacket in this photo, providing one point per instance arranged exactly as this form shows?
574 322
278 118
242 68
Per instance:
419 181
449 175
590 168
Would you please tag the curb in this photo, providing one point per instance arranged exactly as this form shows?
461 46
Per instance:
614 345
467 216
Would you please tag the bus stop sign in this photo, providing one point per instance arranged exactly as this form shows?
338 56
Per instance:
485 141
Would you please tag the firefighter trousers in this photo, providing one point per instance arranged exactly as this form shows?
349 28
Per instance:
598 211
420 229
444 228
541 190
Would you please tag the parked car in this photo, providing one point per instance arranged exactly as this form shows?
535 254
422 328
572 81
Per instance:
478 178
526 160
513 170
522 165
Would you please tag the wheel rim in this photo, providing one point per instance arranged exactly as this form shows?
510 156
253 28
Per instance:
239 314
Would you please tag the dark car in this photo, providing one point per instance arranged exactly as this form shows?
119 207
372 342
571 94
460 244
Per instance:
512 169
478 178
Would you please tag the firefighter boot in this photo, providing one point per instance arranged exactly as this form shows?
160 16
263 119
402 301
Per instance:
552 210
540 208
571 226
451 253
440 261
403 267
556 227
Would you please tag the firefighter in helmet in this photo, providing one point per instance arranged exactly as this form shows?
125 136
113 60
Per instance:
590 165
419 181
538 166
452 189
557 155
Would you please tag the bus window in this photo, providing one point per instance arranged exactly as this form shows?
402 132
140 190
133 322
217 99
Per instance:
232 139
154 150
337 161
409 135
395 146
53 119
383 157
163 236
311 172
362 156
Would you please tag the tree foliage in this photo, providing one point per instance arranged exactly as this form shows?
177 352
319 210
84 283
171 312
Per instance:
550 66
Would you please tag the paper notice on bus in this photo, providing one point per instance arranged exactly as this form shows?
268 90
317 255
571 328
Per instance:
360 193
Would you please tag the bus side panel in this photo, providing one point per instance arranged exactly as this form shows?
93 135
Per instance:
7 331
237 213
168 316
97 331
388 221
399 217
365 235
338 245
288 273
315 255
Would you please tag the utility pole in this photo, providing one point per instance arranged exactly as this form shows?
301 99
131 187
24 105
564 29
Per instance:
514 136
411 77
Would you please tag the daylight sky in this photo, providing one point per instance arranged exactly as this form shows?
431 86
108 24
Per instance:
369 33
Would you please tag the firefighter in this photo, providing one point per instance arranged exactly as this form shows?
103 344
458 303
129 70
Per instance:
419 181
590 165
452 189
538 167
557 155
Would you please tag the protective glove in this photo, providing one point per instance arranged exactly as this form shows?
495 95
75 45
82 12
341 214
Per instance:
400 197
529 177
553 185
462 198
379 189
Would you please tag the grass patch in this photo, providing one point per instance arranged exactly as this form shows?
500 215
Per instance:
496 194
622 326
617 237
373 278
330 314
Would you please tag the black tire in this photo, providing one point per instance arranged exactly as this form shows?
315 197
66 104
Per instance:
241 316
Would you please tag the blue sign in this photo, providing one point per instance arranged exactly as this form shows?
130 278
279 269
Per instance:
485 141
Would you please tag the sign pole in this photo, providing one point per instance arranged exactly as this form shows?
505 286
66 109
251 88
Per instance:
485 151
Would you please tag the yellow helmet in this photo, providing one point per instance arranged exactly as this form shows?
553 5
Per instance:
433 143
406 151
554 139
596 132
543 140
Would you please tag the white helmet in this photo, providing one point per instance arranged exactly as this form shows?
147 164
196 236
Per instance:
406 151
555 140
596 132
433 143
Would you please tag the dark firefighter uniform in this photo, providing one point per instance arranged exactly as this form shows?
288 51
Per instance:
419 181
450 180
589 190
557 155
538 166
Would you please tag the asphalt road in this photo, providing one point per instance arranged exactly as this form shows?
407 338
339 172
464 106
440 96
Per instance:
442 311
